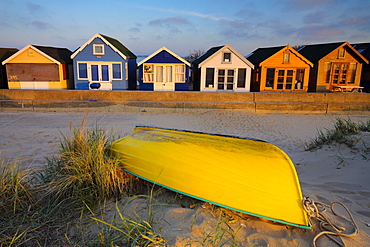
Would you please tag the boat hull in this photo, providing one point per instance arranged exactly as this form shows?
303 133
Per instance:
246 175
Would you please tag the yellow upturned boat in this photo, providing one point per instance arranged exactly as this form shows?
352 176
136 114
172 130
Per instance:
246 175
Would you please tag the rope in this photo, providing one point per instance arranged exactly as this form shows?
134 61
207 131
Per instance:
327 227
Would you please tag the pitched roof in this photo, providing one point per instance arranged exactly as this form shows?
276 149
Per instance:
112 42
214 50
318 51
261 54
63 55
6 52
55 54
163 49
363 49
119 46
206 55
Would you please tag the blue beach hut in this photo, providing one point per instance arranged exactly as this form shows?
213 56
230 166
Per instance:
104 63
163 71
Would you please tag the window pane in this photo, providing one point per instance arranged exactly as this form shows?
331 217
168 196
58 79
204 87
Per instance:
82 70
230 72
105 73
290 73
241 77
327 72
210 76
286 58
227 57
159 71
221 72
117 71
94 72
270 77
169 73
98 49
281 72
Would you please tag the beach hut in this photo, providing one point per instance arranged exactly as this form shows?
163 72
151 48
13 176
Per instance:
221 69
39 67
104 63
4 54
163 71
337 66
364 50
279 69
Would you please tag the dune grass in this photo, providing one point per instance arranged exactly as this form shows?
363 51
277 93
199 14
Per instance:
343 131
16 194
35 206
84 168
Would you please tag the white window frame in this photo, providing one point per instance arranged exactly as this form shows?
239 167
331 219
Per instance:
175 74
118 79
78 71
98 53
226 76
110 70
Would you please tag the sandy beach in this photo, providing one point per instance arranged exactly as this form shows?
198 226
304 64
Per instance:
333 173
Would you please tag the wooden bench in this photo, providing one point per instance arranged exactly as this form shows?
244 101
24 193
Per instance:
348 89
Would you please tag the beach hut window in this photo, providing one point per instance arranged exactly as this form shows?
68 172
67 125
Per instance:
242 73
270 77
168 77
225 79
289 79
226 57
82 71
117 72
98 49
210 77
299 79
327 72
286 57
352 73
341 52
180 73
221 79
105 73
148 72
159 73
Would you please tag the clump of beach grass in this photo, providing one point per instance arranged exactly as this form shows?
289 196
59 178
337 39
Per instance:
37 208
16 193
342 132
84 168
17 197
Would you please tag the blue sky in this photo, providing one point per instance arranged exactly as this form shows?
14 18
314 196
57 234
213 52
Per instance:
184 26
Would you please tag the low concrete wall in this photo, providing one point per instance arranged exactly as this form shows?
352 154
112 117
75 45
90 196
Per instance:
119 101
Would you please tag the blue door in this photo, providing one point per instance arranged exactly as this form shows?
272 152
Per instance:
105 72
95 73
99 72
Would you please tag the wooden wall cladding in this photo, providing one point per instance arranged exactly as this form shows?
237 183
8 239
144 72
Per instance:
32 72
